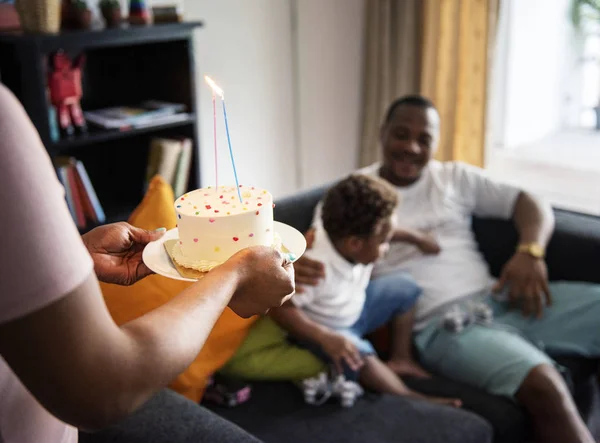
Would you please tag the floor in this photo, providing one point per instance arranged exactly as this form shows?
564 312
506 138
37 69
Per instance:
563 168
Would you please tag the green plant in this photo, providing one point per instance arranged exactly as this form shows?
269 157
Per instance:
110 4
80 5
588 10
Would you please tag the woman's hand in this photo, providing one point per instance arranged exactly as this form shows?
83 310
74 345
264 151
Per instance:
117 252
266 280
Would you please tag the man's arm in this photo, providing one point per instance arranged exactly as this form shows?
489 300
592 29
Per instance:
525 273
534 219
425 242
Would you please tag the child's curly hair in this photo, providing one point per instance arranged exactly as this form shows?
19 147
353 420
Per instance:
355 205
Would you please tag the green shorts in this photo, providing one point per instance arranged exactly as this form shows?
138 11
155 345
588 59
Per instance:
497 358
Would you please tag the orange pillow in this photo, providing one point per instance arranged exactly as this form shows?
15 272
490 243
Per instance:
128 302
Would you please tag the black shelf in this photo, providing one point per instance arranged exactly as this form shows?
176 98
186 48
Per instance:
123 67
101 37
97 135
113 214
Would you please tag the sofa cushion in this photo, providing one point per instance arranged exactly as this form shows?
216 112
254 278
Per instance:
266 354
277 413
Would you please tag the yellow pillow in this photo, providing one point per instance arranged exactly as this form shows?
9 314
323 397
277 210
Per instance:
128 302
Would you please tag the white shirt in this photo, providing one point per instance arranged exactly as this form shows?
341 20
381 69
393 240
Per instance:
338 300
442 203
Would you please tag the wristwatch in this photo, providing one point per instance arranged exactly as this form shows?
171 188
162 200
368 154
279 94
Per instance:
534 249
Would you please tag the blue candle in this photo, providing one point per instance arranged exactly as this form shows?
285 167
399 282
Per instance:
230 150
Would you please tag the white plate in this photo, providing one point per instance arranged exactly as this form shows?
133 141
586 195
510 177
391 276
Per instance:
157 259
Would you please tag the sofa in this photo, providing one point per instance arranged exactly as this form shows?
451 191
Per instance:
277 413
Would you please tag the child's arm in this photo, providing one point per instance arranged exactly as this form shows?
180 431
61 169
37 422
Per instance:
425 242
337 346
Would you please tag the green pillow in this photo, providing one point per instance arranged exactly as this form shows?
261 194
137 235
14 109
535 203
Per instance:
266 354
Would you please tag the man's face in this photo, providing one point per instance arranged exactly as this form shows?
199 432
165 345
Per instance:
408 141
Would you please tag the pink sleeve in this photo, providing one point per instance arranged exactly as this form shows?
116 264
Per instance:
42 256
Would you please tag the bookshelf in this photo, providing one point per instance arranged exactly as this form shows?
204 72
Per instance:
123 66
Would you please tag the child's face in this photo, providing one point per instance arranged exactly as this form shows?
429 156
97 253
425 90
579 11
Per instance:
377 245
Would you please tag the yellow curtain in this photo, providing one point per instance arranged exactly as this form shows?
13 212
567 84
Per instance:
456 54
392 64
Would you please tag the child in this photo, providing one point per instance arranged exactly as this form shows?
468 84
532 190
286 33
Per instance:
332 318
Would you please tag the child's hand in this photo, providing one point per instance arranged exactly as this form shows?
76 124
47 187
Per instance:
428 245
341 348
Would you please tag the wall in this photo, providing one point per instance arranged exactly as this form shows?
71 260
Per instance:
245 46
291 71
329 82
538 74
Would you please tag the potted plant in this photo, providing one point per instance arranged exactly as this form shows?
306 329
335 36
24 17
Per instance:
76 15
587 11
111 11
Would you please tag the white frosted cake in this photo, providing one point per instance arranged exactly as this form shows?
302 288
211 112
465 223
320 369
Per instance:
213 224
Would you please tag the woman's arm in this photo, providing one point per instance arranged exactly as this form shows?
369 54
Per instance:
89 372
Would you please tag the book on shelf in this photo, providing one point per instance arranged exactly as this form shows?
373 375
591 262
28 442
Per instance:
171 158
80 195
148 113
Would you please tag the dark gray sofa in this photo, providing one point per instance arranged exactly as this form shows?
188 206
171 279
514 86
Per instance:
277 414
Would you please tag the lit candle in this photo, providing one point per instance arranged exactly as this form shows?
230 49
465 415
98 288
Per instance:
218 91
215 140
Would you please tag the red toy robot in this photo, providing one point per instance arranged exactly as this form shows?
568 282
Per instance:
64 83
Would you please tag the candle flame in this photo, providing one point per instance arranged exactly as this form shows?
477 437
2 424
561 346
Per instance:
214 86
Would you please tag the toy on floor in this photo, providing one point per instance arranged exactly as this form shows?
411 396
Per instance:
319 389
226 391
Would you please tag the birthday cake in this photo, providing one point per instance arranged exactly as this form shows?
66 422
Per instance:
214 224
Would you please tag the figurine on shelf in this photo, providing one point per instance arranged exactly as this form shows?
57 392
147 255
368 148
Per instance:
139 13
64 85
111 11
76 15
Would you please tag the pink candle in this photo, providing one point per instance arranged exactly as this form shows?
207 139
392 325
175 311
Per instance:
215 140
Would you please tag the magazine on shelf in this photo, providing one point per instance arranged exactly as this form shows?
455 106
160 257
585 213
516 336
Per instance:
148 113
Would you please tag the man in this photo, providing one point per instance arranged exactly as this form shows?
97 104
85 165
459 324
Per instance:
501 358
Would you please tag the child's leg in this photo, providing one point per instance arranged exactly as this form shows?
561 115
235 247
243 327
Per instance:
377 376
401 360
392 299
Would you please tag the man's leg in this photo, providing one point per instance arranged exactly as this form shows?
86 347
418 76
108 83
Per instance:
392 298
569 327
502 362
547 398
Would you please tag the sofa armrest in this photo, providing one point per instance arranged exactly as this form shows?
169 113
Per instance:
573 252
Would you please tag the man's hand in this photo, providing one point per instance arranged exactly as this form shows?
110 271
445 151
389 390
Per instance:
266 280
308 271
341 348
527 278
117 252
428 245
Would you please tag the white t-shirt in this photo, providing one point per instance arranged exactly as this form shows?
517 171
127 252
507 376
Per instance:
442 203
338 300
